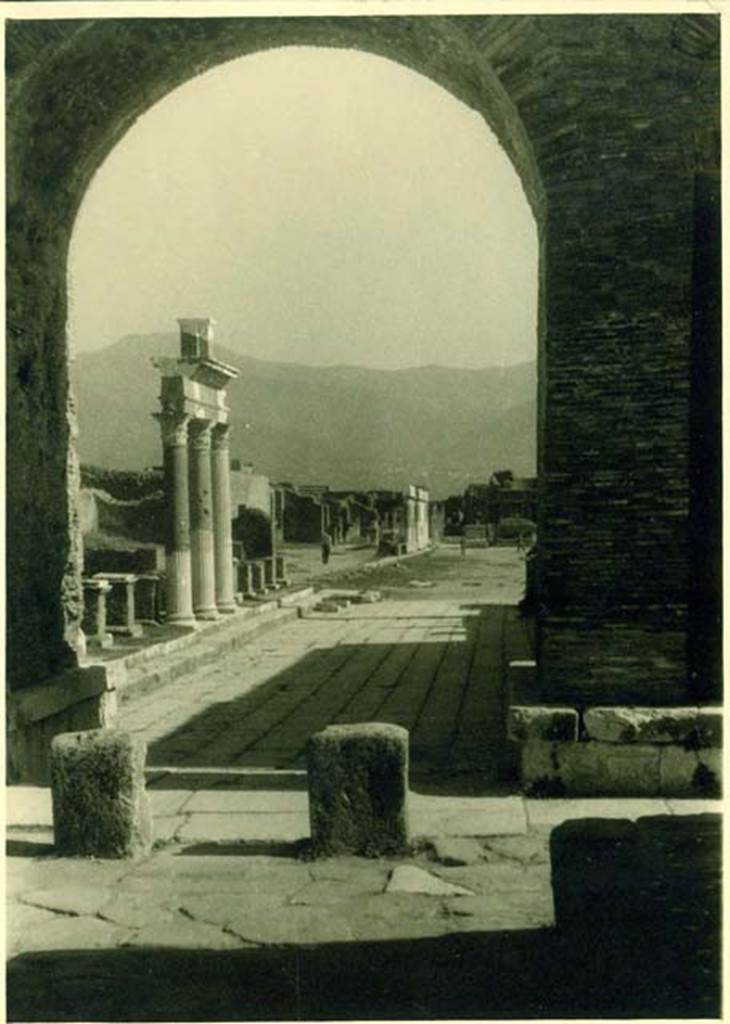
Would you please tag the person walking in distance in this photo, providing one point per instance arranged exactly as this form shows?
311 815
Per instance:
326 548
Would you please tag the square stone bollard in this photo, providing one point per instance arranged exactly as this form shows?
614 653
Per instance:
100 806
358 789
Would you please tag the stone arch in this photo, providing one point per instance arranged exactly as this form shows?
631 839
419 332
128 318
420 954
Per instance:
607 120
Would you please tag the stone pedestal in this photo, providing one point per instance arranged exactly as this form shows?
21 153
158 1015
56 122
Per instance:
280 571
258 577
147 597
120 606
269 573
223 541
178 584
245 579
100 807
201 521
94 621
358 788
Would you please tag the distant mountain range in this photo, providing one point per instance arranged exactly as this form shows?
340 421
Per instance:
346 426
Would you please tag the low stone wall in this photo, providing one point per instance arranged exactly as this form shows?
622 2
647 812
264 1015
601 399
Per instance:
622 751
79 699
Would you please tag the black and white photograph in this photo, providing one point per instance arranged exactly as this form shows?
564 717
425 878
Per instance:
364 491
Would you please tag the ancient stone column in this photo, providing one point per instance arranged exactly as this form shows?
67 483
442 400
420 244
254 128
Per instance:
201 520
222 540
178 586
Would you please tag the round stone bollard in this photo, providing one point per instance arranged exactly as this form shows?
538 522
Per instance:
100 806
358 789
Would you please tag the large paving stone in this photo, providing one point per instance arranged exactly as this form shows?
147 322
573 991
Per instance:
437 816
135 911
244 828
259 801
358 787
301 925
21 920
100 807
454 852
393 917
327 891
187 872
369 874
74 900
183 934
230 911
528 849
28 805
504 877
73 933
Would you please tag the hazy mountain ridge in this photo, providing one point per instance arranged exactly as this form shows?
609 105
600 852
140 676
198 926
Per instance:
347 426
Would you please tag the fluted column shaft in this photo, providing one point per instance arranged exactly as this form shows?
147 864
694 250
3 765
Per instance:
178 583
201 520
222 540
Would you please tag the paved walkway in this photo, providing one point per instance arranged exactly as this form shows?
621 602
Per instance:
435 667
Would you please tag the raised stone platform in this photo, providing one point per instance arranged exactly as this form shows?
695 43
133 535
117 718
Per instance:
626 751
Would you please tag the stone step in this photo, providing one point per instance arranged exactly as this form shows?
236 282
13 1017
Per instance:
159 664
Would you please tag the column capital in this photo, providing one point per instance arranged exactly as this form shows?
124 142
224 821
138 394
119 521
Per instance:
174 427
200 434
221 436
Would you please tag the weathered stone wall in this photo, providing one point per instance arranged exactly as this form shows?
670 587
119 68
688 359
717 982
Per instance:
142 520
125 485
607 120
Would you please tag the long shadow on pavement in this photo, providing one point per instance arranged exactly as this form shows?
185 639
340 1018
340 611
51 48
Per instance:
507 975
638 912
447 690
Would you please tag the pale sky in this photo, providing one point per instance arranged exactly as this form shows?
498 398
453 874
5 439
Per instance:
324 206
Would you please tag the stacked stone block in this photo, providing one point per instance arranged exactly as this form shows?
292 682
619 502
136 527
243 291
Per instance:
623 751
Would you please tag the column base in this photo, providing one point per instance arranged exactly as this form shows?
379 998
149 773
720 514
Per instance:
180 619
227 609
206 614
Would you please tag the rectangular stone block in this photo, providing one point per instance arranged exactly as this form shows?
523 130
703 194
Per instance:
100 806
691 727
590 769
542 723
358 789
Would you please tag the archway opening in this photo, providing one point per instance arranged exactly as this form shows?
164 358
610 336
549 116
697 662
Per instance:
371 261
